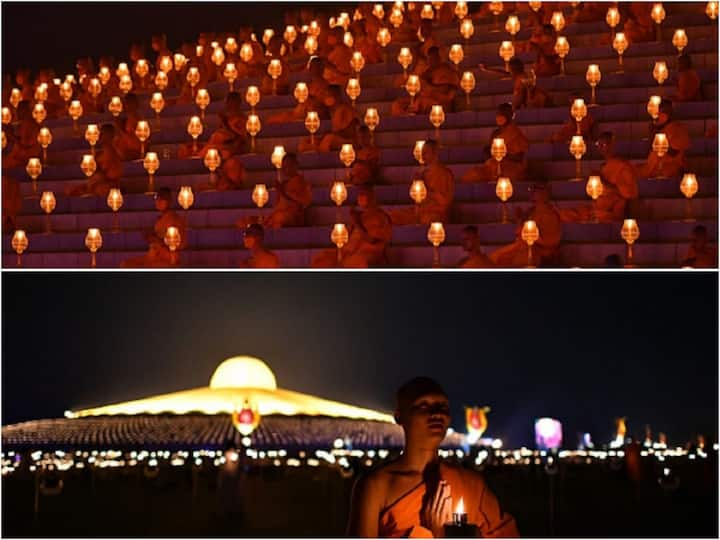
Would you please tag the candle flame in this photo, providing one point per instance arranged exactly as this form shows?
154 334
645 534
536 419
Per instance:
460 508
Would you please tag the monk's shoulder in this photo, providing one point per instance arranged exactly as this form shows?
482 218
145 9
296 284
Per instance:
468 477
375 481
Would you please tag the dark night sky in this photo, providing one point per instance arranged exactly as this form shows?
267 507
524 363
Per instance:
61 32
580 347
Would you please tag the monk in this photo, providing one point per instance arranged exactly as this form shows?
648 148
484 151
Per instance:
317 94
415 495
588 127
672 163
474 256
260 257
688 81
366 167
109 169
438 86
282 83
126 142
700 254
11 203
526 93
158 254
542 41
620 186
639 25
547 218
343 124
514 164
370 231
337 62
25 144
366 43
440 185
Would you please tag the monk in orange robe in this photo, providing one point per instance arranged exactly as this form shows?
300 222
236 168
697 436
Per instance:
282 83
294 196
337 61
369 233
343 124
415 495
700 254
11 203
542 41
126 142
440 185
639 25
672 163
588 127
549 225
109 169
25 144
317 94
526 93
366 43
619 180
590 12
158 254
260 257
474 256
438 86
514 164
366 167
688 81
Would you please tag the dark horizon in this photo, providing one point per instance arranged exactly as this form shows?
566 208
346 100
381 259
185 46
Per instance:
583 348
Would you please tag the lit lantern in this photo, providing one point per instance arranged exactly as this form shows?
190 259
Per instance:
34 170
95 89
92 136
530 234
412 85
39 113
348 40
372 119
252 97
41 93
383 37
427 12
268 34
44 139
689 187
339 236
212 162
512 26
496 8
620 44
218 56
498 150
172 240
467 29
253 128
6 116
179 61
157 104
193 78
76 111
312 124
246 52
594 189
142 132
562 48
353 90
311 45
558 21
290 35
115 202
417 152
274 70
467 83
231 74
276 158
122 70
548 434
142 68
456 55
437 118
660 72
195 129
301 92
680 40
19 244
378 11
418 193
593 77
103 75
612 18
347 156
165 64
504 190
16 96
357 63
711 10
115 106
338 193
405 58
231 46
260 195
506 52
630 232
88 165
125 84
461 10
658 15
578 110
396 17
47 203
660 147
436 236
151 164
653 106
66 93
577 150
93 241
246 419
216 44
186 197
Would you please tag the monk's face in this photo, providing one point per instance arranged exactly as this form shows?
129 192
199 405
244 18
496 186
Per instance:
363 200
500 119
539 196
663 117
289 168
426 420
250 241
161 204
469 241
699 240
429 154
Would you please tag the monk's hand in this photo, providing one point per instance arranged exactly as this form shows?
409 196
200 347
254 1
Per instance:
440 511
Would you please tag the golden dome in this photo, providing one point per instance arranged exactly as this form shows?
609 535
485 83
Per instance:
243 372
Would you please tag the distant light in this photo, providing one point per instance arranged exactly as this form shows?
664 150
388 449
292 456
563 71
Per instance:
338 443
246 441
497 443
666 471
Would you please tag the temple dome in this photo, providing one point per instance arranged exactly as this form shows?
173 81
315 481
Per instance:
243 372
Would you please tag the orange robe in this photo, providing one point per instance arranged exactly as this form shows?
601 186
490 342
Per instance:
440 185
688 86
672 163
549 224
366 168
337 68
158 255
476 259
262 258
25 146
11 201
547 62
402 518
701 259
588 128
290 204
513 166
342 124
